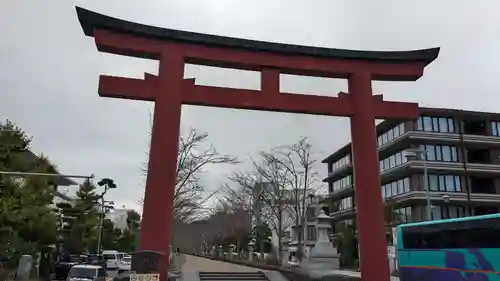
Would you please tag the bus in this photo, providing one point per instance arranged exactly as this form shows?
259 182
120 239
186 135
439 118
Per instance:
460 249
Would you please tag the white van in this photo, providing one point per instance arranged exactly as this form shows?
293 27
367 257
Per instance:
112 258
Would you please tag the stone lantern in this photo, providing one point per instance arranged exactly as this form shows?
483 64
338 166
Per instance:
220 251
232 249
323 256
251 246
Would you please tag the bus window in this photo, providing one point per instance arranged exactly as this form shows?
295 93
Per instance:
453 235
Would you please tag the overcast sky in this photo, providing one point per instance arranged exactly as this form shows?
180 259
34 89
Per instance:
49 73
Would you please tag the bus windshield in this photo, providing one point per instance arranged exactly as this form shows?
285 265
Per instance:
447 249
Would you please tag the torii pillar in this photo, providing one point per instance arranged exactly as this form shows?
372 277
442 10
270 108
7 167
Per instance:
169 91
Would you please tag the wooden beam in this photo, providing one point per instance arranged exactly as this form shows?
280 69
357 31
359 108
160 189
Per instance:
125 88
258 100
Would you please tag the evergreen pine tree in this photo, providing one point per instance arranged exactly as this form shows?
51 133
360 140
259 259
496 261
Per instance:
86 218
27 223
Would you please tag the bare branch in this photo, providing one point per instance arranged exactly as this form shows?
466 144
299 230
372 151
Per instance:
194 156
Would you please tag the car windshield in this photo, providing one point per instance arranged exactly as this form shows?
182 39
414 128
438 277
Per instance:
126 258
83 272
109 256
77 258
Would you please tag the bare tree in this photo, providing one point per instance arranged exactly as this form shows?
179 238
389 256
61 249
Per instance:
275 195
296 165
268 189
278 186
194 156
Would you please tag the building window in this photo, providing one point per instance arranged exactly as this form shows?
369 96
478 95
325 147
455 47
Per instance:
344 161
445 153
395 188
342 183
392 161
391 134
403 214
495 128
311 233
345 204
444 183
440 212
436 124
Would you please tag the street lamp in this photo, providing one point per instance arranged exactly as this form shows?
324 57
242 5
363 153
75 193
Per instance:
108 184
421 154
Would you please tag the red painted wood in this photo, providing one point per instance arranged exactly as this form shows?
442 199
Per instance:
369 205
156 224
169 91
125 88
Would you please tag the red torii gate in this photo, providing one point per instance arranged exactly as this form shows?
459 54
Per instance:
169 90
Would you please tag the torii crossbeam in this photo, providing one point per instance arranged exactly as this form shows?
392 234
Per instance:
169 90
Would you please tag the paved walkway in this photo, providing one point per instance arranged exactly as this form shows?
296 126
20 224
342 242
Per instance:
203 264
193 263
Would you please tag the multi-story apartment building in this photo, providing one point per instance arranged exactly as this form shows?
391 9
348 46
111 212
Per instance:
462 160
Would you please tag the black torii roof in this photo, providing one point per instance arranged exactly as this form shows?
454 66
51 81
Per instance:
91 20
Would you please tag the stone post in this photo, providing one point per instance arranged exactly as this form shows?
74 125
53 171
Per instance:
220 252
251 245
323 257
213 251
232 248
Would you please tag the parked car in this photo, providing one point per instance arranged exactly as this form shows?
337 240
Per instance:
95 259
112 258
125 263
65 263
87 272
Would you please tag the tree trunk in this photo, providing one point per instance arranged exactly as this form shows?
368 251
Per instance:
300 246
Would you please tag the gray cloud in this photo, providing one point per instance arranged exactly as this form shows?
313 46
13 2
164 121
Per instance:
49 72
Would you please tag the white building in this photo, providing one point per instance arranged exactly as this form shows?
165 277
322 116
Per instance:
290 239
262 198
119 218
63 194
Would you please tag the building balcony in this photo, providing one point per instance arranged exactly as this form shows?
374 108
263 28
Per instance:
437 198
433 167
453 138
482 199
341 193
339 173
439 167
343 214
478 168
